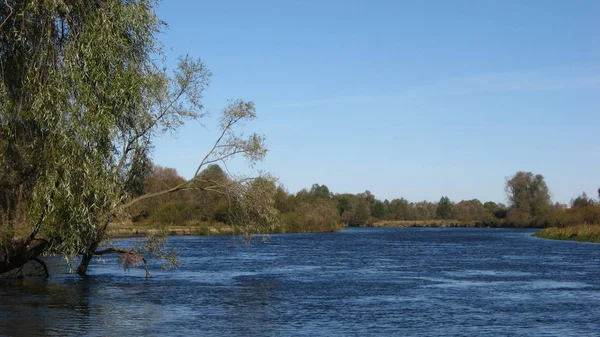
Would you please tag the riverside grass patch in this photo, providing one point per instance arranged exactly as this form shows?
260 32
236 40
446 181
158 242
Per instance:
584 233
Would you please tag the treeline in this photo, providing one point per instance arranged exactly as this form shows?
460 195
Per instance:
364 209
307 211
318 209
529 205
184 207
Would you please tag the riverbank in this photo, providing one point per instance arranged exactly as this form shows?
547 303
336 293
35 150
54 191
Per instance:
129 230
195 228
583 233
424 223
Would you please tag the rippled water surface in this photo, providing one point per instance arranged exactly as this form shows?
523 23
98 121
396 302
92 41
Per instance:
397 281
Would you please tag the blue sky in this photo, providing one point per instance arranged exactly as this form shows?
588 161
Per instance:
413 99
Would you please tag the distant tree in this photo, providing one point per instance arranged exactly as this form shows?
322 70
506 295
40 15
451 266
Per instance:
444 208
320 191
583 210
318 216
400 209
496 210
470 210
582 201
355 209
344 203
368 196
424 210
284 202
529 199
361 214
308 211
158 179
378 210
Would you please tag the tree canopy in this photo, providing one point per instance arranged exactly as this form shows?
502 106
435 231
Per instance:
444 209
528 198
84 91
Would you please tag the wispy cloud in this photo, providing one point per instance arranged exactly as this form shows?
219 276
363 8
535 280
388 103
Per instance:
549 79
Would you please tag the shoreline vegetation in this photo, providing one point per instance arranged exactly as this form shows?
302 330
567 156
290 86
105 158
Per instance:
129 230
193 229
317 209
582 233
431 223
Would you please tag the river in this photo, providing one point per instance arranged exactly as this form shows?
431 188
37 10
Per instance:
357 282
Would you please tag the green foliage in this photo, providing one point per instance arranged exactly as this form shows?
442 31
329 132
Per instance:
344 203
529 199
400 209
582 201
562 216
311 216
469 210
379 210
76 81
499 211
444 208
424 210
84 91
359 209
361 213
174 213
320 191
284 202
253 206
313 210
587 233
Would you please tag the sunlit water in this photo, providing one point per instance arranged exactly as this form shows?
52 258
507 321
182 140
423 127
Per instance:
398 281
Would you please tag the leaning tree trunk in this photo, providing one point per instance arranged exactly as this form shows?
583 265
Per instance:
19 254
86 258
83 265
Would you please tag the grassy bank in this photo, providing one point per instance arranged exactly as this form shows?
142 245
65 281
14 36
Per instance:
199 228
126 230
586 233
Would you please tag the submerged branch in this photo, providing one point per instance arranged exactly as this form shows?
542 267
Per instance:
44 266
132 257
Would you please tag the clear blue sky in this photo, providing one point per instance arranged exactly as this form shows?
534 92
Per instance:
413 99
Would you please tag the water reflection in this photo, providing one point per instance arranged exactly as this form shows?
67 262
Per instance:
73 306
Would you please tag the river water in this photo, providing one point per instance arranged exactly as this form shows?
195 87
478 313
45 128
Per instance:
358 282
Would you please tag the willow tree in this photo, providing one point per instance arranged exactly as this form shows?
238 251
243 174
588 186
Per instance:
84 91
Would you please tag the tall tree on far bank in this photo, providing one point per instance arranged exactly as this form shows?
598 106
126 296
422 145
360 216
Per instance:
528 198
582 201
444 208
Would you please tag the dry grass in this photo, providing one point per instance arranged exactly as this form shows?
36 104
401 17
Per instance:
190 228
587 233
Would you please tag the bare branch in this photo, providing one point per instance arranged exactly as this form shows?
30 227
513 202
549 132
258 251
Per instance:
203 162
156 194
44 266
129 252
